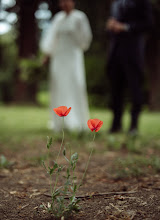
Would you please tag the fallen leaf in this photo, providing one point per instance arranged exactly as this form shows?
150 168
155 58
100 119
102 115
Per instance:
13 192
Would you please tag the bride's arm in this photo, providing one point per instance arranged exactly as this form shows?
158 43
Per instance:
83 32
49 39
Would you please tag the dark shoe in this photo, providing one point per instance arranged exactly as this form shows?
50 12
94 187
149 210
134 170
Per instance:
133 132
134 123
115 130
116 124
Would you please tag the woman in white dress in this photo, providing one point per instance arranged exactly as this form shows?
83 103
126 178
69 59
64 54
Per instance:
68 36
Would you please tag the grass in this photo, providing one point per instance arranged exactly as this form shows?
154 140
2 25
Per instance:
136 166
27 123
27 126
22 121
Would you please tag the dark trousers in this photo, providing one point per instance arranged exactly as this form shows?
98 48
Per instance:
125 72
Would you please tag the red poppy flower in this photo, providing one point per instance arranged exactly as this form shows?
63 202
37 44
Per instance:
62 111
95 124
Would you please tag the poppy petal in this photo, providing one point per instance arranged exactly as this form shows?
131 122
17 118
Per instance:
58 111
95 124
99 126
68 111
90 125
62 111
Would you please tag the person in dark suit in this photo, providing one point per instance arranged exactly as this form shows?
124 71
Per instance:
129 20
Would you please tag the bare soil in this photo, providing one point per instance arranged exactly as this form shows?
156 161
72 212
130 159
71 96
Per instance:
25 187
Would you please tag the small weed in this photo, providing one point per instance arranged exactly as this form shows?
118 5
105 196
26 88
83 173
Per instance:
58 206
4 163
37 160
136 166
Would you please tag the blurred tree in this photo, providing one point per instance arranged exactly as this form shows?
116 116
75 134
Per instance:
7 68
97 12
153 57
27 42
27 45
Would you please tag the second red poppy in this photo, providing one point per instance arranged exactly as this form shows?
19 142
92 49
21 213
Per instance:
95 124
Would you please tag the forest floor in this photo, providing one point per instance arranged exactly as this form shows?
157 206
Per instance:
123 178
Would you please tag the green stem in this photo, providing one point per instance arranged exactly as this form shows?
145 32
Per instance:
50 179
62 140
51 184
73 181
57 176
50 176
94 136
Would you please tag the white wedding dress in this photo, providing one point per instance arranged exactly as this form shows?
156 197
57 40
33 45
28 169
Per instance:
65 41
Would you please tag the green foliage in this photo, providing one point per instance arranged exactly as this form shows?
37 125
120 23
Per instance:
97 79
59 206
4 163
8 63
32 70
49 142
137 166
8 58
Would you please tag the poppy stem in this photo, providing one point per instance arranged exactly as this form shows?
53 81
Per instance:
57 175
62 140
94 136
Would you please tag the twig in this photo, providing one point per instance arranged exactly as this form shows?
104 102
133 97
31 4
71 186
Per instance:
98 194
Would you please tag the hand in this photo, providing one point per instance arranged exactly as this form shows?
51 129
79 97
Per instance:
119 27
110 24
45 61
115 26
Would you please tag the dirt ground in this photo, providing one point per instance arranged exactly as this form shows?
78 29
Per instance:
25 187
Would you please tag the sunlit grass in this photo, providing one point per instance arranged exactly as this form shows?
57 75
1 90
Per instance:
32 121
26 126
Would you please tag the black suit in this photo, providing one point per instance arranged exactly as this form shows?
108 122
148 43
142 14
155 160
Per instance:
126 55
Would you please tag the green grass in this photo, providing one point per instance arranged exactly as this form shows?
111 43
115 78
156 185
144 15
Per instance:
27 126
24 121
136 166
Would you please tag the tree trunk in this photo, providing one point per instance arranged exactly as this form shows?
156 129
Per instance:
153 56
27 43
154 69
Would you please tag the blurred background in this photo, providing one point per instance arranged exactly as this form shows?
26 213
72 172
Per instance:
24 95
24 80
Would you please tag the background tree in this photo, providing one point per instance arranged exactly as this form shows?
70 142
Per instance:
153 57
27 27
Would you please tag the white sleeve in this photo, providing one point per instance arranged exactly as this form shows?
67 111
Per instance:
83 34
48 41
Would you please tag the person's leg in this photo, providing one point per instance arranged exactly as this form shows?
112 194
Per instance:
134 77
117 94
